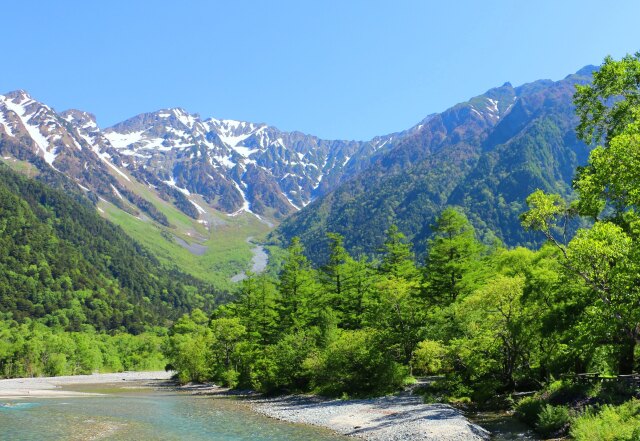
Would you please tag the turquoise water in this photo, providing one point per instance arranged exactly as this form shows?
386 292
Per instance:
145 415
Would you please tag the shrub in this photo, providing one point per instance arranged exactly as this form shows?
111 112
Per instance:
486 391
428 358
230 378
356 364
611 423
280 368
449 389
552 419
566 391
528 409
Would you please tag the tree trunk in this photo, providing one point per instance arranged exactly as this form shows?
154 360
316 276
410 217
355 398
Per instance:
626 357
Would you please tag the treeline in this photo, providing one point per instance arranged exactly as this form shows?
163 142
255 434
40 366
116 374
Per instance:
65 266
31 349
491 319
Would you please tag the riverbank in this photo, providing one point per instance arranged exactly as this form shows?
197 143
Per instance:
42 387
387 418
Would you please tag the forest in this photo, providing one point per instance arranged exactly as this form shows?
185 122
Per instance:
486 320
77 295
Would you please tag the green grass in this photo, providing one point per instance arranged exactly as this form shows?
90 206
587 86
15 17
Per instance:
227 254
24 167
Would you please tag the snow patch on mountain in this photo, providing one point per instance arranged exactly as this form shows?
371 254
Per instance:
20 109
245 202
198 207
124 140
6 126
172 183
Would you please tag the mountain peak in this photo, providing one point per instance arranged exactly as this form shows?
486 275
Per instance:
184 117
80 117
586 71
22 94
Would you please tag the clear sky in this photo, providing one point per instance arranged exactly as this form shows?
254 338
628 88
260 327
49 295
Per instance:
347 69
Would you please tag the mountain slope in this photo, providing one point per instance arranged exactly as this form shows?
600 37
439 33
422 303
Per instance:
485 155
64 264
192 190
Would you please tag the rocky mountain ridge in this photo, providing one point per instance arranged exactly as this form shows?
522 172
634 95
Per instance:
234 166
484 155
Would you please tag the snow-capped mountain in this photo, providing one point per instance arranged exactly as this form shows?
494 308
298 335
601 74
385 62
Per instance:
233 166
33 124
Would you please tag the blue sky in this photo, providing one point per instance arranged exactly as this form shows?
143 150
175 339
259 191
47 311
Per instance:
338 69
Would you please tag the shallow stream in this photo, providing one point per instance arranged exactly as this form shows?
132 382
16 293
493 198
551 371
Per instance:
145 414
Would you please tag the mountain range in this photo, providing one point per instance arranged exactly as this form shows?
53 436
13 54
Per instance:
484 155
234 166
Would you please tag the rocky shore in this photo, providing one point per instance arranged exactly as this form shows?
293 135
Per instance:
388 418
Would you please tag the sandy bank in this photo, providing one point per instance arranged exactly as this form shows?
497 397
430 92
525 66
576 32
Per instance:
54 386
379 419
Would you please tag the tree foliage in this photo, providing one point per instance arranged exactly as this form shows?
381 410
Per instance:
606 256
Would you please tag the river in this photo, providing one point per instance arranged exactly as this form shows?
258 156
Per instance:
258 261
145 414
135 411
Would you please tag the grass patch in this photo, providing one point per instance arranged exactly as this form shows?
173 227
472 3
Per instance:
227 253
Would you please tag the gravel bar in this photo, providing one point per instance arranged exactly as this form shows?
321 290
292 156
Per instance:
388 418
54 386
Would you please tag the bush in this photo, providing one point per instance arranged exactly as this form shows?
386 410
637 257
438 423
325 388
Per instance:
611 423
566 391
356 364
450 389
486 392
230 378
280 367
552 420
528 409
428 358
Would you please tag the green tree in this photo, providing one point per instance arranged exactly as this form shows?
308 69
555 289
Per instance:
346 282
396 311
189 347
397 258
299 293
333 273
453 252
606 256
498 333
226 336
